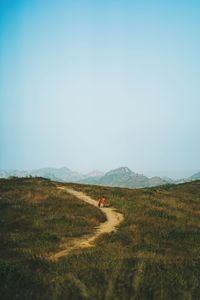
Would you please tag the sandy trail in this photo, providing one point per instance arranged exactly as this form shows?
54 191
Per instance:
113 220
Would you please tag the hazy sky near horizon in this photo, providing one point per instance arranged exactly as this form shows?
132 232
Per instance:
100 84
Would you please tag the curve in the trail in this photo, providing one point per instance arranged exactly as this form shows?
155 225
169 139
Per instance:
114 218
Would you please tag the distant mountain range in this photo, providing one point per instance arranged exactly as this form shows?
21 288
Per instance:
120 177
124 177
60 174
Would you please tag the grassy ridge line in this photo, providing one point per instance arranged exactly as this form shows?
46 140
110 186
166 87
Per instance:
153 255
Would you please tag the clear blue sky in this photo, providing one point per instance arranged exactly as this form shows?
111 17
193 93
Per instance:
100 84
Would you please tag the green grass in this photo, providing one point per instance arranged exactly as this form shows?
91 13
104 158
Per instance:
155 253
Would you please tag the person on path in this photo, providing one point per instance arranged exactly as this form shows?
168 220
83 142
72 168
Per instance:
99 202
103 202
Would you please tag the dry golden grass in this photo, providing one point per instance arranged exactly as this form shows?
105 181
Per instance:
155 253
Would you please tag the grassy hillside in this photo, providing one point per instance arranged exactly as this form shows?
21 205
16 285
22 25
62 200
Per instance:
155 254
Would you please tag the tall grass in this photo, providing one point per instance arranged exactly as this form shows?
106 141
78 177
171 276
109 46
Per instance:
155 253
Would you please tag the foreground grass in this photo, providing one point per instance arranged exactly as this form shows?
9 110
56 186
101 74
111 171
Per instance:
155 254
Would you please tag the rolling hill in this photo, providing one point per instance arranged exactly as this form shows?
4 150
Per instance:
154 254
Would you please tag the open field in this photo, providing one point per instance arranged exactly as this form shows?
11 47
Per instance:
155 254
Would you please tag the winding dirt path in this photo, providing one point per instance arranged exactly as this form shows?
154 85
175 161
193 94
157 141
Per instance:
113 220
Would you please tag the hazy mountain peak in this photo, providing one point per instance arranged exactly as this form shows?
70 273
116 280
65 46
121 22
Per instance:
121 170
65 168
168 179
